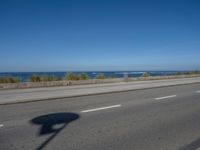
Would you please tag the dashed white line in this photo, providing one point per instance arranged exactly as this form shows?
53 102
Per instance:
1 125
160 98
101 108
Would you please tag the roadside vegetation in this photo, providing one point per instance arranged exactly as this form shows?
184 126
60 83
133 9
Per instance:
196 72
110 77
68 76
38 78
9 80
100 76
73 76
146 74
82 76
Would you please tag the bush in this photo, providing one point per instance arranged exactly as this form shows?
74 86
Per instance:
71 76
35 78
9 80
178 73
196 72
50 78
83 76
110 77
38 78
145 74
100 76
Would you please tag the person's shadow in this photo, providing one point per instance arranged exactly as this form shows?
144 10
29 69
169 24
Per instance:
47 124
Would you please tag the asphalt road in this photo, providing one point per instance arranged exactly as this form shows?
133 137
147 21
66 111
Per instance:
165 118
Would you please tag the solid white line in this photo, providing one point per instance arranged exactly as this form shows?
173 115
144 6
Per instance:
160 98
198 91
1 125
101 108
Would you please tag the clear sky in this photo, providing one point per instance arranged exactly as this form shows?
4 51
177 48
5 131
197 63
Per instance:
62 35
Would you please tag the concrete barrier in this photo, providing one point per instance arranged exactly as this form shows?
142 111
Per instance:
82 82
57 83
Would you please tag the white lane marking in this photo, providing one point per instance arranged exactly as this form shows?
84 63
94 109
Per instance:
1 125
160 98
198 91
101 108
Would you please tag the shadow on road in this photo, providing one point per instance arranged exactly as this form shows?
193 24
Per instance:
48 123
192 146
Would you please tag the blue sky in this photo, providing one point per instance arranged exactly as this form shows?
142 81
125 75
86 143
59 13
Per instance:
62 35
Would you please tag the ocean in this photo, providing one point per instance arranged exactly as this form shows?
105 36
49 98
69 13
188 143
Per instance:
24 76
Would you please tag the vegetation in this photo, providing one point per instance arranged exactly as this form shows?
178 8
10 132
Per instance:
110 77
35 78
196 72
9 80
100 76
145 74
50 78
71 76
83 76
38 78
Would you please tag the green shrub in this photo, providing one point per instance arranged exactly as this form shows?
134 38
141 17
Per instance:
38 78
71 76
100 76
145 74
110 77
83 76
178 73
9 80
35 78
196 72
50 78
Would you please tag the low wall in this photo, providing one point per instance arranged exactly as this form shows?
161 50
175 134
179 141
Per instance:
82 82
57 83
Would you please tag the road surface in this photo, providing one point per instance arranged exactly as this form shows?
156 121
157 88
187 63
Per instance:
166 118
